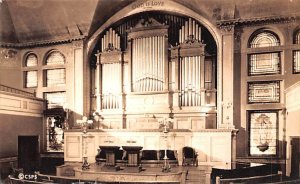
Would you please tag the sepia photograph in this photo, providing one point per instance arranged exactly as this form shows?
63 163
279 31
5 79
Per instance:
149 91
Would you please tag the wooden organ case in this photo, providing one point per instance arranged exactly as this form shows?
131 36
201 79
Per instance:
153 78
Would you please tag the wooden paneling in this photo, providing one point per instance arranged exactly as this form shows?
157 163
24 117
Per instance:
211 145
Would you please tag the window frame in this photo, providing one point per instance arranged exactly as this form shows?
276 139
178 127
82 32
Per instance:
249 112
26 79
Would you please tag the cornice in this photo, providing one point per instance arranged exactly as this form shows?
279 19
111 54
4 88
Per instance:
257 21
42 42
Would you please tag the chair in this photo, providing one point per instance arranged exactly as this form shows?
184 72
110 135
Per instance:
101 156
190 156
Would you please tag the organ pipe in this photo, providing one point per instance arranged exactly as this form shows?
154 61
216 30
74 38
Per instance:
190 78
148 63
190 30
111 92
110 40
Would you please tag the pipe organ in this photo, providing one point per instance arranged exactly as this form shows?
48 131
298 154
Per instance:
158 66
149 56
111 73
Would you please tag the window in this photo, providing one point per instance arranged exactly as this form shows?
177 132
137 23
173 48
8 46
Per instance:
55 134
55 58
54 74
263 132
264 39
264 64
31 60
55 99
30 71
56 77
297 37
264 92
296 61
296 53
31 79
264 58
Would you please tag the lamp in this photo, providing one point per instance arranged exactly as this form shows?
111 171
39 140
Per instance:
165 124
84 124
67 110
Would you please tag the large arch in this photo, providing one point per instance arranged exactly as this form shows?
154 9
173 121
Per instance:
168 7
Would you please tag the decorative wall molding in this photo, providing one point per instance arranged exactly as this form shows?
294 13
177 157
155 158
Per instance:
42 43
211 145
226 24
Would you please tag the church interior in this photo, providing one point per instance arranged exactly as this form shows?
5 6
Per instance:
149 91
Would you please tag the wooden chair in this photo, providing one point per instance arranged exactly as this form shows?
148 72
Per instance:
190 156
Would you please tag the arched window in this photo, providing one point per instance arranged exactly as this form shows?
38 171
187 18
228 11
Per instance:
264 39
56 76
31 60
264 59
30 74
54 73
55 58
296 53
264 63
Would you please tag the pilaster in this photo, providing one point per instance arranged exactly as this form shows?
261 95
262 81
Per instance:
228 71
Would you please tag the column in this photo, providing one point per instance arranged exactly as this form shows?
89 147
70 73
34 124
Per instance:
166 63
227 77
233 146
98 84
78 87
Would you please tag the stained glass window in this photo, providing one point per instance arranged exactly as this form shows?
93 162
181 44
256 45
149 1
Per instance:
264 39
264 64
55 134
31 60
31 79
264 92
263 132
296 61
55 58
56 77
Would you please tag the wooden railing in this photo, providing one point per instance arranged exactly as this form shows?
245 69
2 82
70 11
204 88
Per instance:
255 179
42 178
15 91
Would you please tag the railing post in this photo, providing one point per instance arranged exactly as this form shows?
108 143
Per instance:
183 177
208 175
218 180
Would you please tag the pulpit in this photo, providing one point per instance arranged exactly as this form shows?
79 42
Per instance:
110 152
133 153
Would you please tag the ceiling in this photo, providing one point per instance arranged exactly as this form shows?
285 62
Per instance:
24 21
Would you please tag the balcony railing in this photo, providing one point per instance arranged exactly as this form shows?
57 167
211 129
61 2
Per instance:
16 91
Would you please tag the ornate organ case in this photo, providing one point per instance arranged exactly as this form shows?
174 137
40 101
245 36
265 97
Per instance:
151 79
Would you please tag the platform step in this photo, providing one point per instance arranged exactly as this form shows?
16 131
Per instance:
195 181
195 176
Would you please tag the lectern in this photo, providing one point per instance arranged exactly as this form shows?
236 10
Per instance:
133 153
110 152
